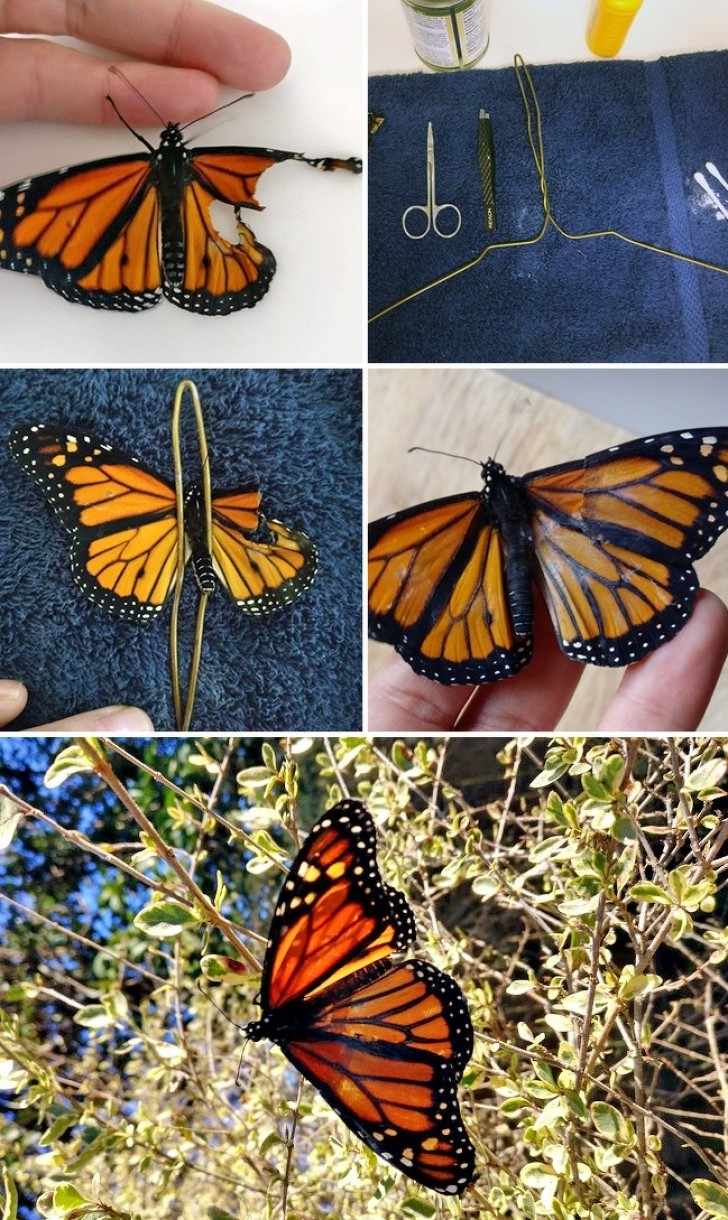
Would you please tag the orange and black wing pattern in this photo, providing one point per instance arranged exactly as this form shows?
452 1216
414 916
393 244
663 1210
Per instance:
122 518
123 524
119 232
438 591
90 232
384 1043
615 538
610 540
263 564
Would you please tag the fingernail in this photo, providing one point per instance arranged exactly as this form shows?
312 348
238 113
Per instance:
122 719
10 690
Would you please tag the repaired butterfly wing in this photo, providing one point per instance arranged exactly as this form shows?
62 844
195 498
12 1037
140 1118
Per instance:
610 540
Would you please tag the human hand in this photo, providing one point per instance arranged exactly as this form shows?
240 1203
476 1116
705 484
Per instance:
189 47
14 696
668 691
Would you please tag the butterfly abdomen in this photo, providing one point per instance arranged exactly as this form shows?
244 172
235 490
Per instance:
200 557
172 175
508 501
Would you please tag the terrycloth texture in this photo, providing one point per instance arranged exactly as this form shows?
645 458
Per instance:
622 142
297 434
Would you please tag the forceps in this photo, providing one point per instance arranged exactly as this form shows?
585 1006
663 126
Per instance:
431 209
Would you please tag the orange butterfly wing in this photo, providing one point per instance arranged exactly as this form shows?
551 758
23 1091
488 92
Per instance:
123 523
122 518
611 541
615 537
384 1044
264 572
438 591
116 233
90 232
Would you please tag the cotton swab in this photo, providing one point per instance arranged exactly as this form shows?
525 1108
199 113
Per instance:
703 182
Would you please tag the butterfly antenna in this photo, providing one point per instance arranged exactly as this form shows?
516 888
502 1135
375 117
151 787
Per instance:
118 72
442 453
509 424
217 110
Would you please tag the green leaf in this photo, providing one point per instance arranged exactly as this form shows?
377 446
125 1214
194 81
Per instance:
631 984
610 1123
486 886
10 816
708 776
58 1128
71 761
520 987
93 1016
166 918
645 891
269 757
537 1175
253 777
414 1206
66 1197
273 1140
710 1196
10 1190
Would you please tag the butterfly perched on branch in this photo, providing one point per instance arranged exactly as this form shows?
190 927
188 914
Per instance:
384 1041
122 518
609 541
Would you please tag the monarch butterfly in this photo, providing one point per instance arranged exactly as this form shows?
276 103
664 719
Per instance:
123 523
384 1043
610 541
117 233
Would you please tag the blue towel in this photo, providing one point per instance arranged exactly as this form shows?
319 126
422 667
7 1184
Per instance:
297 434
622 142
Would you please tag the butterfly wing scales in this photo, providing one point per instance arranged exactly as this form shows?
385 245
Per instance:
261 574
388 1059
335 915
438 592
90 232
385 1044
121 517
615 538
219 277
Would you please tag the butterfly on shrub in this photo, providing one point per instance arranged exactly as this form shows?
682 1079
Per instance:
123 524
117 233
610 542
384 1042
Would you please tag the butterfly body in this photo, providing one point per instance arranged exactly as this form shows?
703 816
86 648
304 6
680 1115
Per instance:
119 232
122 518
384 1043
609 541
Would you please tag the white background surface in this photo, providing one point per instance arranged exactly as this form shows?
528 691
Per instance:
554 31
312 313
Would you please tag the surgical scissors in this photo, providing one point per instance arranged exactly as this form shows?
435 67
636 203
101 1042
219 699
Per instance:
431 209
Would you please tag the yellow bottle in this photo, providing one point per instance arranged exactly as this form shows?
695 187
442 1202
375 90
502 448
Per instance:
609 24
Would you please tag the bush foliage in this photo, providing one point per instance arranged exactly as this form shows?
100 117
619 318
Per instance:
576 889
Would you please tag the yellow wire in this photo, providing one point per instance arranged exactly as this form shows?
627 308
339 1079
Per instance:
537 151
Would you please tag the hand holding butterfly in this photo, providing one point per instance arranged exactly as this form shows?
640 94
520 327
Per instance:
119 719
186 49
669 690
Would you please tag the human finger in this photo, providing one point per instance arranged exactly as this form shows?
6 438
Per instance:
533 699
13 698
188 48
671 688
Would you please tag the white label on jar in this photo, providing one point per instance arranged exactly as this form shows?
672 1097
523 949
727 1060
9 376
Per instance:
448 39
